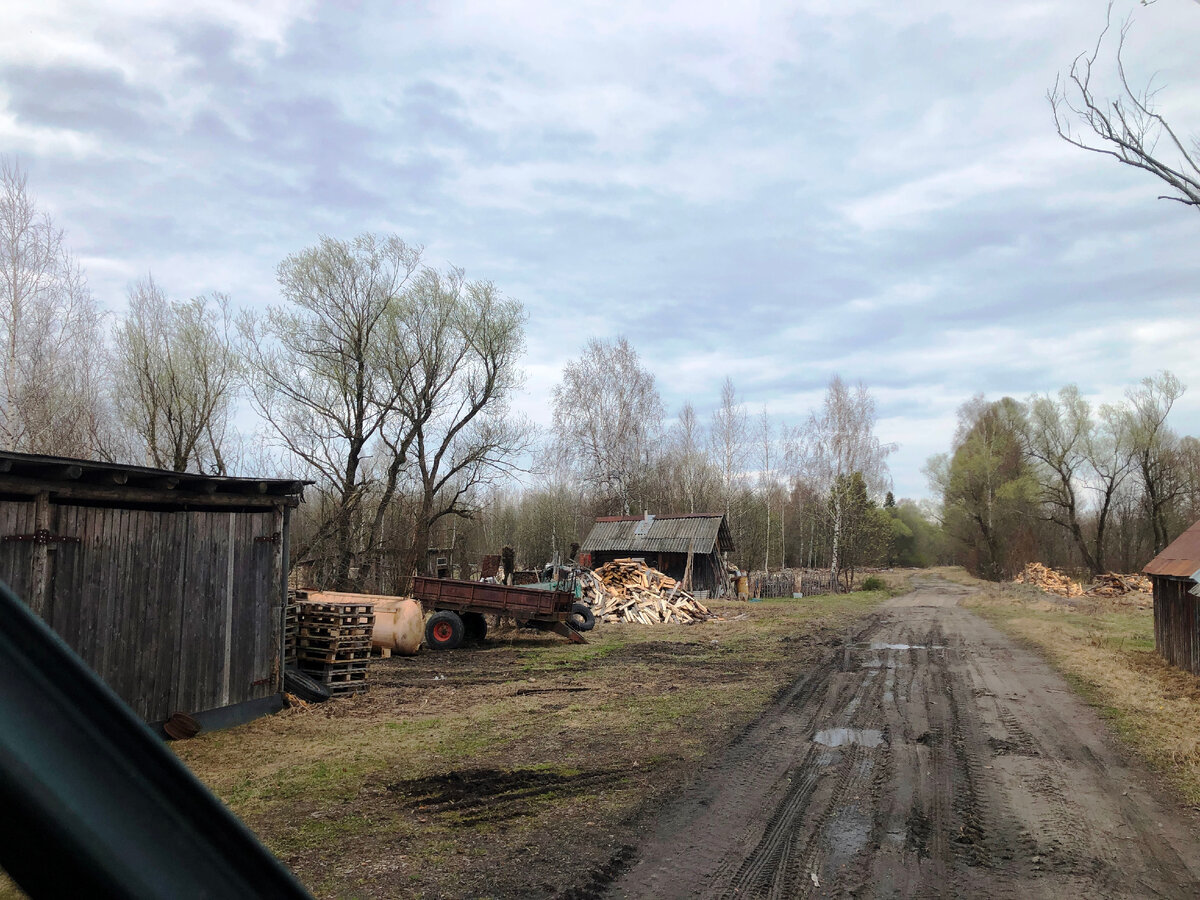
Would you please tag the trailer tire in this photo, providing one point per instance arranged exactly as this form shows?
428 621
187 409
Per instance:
582 618
474 626
444 630
305 686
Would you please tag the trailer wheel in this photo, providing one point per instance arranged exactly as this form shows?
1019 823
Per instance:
444 630
582 618
474 626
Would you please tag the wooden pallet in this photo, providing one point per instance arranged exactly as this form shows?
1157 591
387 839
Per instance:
339 609
310 654
322 630
335 643
349 688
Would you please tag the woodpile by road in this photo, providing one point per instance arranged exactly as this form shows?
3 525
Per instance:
1048 580
1110 584
1114 585
627 590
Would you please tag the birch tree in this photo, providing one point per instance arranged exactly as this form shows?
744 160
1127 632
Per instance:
608 419
728 442
840 440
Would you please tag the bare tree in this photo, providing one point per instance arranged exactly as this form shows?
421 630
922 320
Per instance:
1128 128
314 374
689 462
608 419
840 441
1154 446
175 377
766 479
449 354
51 329
728 442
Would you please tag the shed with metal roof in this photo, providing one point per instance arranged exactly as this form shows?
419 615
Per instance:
1175 573
171 586
686 546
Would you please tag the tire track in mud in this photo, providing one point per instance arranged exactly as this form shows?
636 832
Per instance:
962 768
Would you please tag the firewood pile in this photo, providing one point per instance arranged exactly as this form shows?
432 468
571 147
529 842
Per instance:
1114 585
627 590
1048 580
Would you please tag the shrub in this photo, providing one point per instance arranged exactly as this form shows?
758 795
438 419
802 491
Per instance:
874 583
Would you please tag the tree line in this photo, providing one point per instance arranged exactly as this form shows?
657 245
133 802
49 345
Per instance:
389 384
1055 479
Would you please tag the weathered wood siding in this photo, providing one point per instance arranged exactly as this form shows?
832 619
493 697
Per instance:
1177 622
178 611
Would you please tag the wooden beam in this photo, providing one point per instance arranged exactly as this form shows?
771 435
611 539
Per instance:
117 494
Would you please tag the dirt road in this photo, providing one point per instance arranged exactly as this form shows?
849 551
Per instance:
931 756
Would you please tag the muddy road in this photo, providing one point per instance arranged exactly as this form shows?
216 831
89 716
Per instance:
930 756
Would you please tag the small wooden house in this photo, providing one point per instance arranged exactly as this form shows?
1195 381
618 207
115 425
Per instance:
689 544
1176 576
170 586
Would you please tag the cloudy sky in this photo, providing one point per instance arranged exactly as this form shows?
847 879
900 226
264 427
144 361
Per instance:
775 192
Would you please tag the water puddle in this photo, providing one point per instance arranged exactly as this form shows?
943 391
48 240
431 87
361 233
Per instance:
840 737
880 645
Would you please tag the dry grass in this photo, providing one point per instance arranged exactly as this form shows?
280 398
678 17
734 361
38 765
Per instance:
513 768
1105 648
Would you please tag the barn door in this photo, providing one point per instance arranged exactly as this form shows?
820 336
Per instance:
229 629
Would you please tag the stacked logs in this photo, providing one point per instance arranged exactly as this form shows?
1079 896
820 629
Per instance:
1048 580
627 590
1113 585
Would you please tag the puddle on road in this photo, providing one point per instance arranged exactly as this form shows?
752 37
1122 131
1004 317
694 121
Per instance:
880 645
840 737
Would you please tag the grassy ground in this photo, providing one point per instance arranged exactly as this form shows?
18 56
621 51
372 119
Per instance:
516 768
1105 649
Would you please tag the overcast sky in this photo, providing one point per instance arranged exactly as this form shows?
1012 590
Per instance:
775 192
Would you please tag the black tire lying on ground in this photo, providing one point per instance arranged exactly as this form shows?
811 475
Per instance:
474 626
582 618
444 630
305 686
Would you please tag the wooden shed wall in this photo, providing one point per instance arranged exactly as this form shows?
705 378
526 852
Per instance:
178 611
1177 622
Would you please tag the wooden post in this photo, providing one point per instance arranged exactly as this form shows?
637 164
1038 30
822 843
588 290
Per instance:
41 556
225 671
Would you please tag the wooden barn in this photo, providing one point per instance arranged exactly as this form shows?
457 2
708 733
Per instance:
171 586
667 543
1176 576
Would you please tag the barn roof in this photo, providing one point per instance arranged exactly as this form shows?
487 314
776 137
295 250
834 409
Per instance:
62 476
699 532
1181 558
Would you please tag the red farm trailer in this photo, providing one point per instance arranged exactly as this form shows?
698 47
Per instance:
459 608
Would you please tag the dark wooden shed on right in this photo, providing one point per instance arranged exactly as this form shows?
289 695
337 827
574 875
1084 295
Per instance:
1175 573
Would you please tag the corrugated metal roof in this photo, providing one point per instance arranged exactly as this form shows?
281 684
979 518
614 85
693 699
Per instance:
699 532
1181 558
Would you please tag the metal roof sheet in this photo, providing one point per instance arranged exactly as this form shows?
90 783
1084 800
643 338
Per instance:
697 532
1181 558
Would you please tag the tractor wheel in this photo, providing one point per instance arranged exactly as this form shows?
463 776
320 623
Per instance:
474 626
444 630
582 618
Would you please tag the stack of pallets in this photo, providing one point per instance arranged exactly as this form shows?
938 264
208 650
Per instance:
334 644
